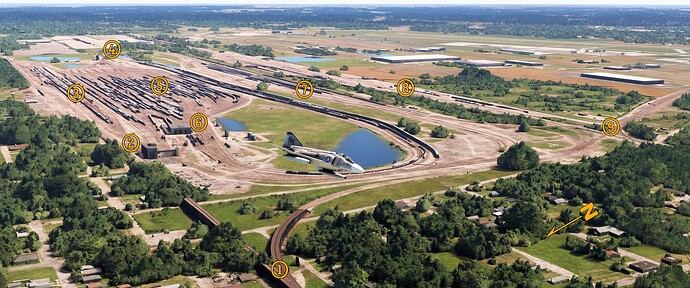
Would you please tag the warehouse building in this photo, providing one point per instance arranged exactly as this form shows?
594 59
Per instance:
176 129
623 78
415 58
618 68
647 66
524 63
516 51
429 49
480 63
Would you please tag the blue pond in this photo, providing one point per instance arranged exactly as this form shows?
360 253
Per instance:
231 125
303 59
69 66
368 149
48 58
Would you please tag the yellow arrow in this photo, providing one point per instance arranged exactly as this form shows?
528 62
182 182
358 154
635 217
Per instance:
554 230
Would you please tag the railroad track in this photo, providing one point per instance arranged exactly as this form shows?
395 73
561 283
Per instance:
279 237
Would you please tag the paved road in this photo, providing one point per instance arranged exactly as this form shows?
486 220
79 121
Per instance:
6 154
47 258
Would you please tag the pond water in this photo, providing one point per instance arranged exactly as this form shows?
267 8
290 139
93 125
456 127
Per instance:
303 59
48 58
368 149
70 66
231 125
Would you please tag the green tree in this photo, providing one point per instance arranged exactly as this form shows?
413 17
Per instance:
110 154
237 64
524 127
314 69
412 128
262 86
439 132
55 60
520 156
4 279
422 205
344 68
350 276
226 240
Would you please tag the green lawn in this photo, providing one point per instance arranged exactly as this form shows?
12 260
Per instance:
50 227
336 64
407 189
449 259
255 240
559 130
87 148
609 143
158 221
273 120
175 280
553 250
228 211
312 280
33 274
653 253
507 258
539 132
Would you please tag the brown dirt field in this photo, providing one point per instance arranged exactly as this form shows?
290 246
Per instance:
45 48
573 77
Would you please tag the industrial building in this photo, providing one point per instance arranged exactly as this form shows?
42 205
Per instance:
524 63
647 66
515 51
429 49
480 63
623 78
618 68
643 266
149 151
176 129
415 58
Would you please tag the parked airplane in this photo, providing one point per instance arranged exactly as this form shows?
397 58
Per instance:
327 162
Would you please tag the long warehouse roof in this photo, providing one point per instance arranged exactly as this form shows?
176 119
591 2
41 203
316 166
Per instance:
421 57
619 76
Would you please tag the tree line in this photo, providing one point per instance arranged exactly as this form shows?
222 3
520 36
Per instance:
10 77
251 50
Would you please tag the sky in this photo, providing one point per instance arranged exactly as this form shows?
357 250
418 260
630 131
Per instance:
350 2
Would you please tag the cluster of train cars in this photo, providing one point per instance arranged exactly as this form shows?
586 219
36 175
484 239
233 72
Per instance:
128 96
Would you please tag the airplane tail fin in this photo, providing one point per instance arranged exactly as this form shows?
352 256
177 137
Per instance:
291 140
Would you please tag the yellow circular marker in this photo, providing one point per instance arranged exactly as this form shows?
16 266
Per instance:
131 142
405 87
198 122
280 269
307 89
112 49
611 126
75 93
159 85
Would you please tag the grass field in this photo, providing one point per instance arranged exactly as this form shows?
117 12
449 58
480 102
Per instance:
539 132
255 240
50 227
87 149
175 280
553 250
406 189
654 253
610 144
449 259
228 211
273 120
312 280
33 274
168 219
